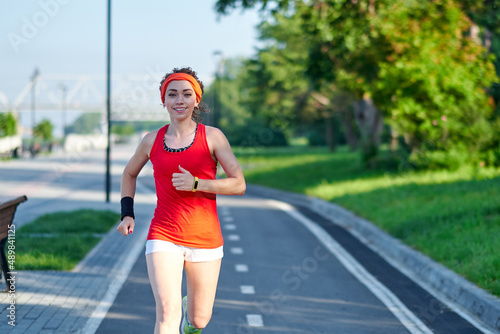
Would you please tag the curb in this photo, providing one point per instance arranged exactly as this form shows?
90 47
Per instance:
455 291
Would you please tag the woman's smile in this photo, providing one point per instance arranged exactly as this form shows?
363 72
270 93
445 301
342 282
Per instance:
180 109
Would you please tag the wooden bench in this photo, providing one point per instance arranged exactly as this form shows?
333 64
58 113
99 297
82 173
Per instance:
7 211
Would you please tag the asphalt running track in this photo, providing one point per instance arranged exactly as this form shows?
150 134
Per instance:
289 270
282 272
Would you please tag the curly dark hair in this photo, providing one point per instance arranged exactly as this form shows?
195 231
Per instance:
202 108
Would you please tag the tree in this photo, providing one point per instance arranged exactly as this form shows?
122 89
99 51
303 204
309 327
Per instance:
276 91
345 52
338 57
433 84
86 123
232 117
8 124
485 17
224 6
43 130
277 87
123 129
411 63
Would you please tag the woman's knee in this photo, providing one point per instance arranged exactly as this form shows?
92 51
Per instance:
168 312
200 320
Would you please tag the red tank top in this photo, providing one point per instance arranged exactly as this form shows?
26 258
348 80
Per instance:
184 217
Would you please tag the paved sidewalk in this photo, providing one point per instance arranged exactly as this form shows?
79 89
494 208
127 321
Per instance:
75 302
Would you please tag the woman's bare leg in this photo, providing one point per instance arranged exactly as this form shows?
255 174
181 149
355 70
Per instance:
165 276
202 278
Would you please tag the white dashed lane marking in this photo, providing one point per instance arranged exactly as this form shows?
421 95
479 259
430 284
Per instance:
241 268
233 237
255 320
236 250
247 289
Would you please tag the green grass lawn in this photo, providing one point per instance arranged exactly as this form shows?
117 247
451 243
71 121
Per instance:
453 217
60 240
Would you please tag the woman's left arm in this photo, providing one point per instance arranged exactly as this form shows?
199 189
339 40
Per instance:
234 184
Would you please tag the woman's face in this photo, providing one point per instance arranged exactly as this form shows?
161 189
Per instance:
180 99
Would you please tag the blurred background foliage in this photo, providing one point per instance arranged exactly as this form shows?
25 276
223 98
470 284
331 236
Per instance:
8 124
417 77
43 130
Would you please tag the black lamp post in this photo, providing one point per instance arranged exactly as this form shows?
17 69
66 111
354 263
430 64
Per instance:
34 79
63 109
108 106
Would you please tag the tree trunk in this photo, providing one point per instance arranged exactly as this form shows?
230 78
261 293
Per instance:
370 123
474 33
488 36
394 140
330 134
351 136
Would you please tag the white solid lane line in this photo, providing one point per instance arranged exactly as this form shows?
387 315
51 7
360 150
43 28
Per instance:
391 301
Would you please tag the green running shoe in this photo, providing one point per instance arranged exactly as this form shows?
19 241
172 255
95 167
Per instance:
185 325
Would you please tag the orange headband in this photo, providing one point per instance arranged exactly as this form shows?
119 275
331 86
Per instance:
181 76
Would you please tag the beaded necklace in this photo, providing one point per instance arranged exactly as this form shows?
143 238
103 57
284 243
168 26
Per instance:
176 150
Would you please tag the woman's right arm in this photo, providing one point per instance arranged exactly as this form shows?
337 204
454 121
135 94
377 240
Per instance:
129 177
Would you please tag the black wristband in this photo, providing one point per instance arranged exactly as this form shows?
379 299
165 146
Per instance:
127 204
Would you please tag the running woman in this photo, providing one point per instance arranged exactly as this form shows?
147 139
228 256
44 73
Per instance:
185 231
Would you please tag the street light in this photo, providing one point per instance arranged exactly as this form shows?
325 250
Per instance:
63 107
108 106
219 61
34 80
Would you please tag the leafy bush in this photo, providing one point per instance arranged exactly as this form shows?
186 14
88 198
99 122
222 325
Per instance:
436 160
256 134
43 130
86 123
8 124
315 138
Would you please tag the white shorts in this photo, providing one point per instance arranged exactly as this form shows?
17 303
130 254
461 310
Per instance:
191 254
